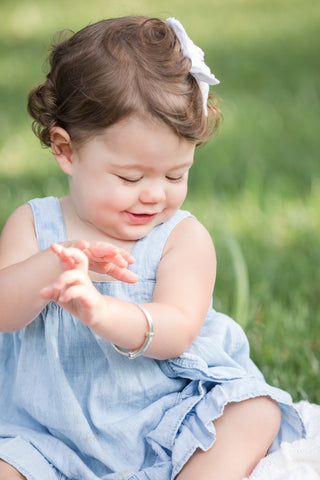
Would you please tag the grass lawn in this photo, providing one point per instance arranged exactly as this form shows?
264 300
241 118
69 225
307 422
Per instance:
256 186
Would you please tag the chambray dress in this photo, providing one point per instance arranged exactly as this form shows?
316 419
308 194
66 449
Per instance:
72 408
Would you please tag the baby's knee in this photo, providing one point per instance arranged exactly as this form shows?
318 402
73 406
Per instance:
8 472
265 418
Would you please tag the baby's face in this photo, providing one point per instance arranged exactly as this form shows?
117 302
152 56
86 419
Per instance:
130 178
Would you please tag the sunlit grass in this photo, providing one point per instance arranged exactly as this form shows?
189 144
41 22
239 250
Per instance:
268 280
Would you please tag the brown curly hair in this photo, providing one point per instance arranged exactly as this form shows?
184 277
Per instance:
115 68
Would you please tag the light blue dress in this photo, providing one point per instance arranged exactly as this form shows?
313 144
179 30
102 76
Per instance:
72 408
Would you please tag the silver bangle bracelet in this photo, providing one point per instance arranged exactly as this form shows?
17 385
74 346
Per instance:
149 336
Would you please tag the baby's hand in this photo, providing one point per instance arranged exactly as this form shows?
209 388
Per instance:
102 257
74 290
70 257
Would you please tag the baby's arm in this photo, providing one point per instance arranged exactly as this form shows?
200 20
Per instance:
24 271
183 291
184 287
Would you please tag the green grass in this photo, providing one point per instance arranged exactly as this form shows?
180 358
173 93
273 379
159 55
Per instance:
256 186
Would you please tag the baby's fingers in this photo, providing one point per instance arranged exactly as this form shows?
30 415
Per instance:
58 292
122 274
75 292
71 277
106 252
50 293
127 256
71 257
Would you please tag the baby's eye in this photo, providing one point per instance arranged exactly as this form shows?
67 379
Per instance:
130 180
174 179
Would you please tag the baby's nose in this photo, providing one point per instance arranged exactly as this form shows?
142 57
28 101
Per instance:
154 192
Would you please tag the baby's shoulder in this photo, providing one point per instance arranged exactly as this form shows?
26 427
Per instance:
190 235
18 239
20 219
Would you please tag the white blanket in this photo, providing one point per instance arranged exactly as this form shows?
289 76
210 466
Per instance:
299 460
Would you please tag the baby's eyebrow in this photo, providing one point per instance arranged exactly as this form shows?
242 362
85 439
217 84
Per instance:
137 166
181 166
124 166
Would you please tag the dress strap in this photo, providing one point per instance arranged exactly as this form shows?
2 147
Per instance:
48 220
148 250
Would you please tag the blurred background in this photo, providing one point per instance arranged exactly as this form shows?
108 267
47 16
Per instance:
256 185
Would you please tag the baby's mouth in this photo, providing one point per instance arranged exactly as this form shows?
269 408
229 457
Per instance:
141 218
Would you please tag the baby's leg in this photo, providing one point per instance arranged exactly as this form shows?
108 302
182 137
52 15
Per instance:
8 472
244 433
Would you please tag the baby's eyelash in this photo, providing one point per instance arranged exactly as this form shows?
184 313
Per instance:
174 179
135 180
130 180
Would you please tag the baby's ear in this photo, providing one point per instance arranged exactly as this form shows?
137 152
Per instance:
62 148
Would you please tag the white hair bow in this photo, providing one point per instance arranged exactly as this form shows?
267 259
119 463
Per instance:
200 71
